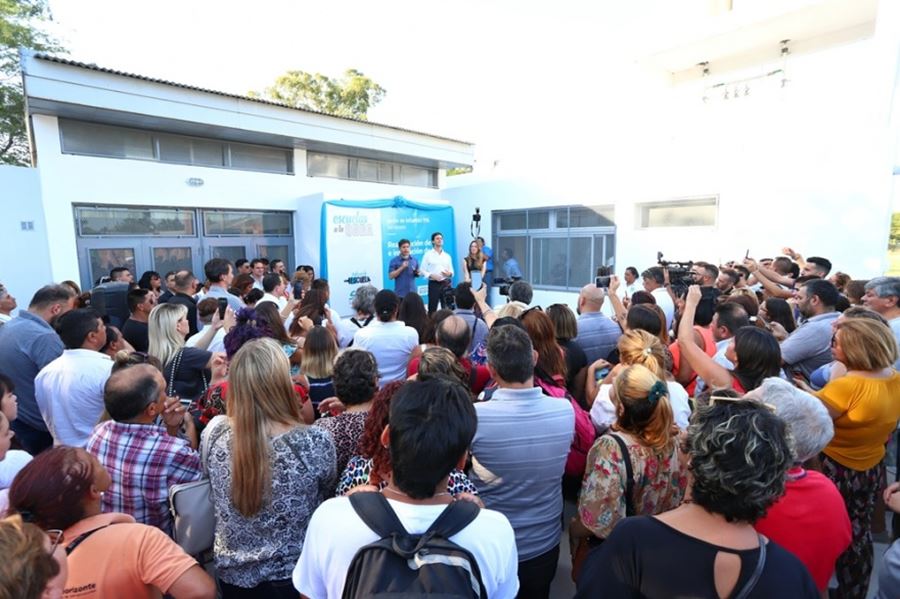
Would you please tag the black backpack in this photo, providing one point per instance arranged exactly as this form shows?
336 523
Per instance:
402 565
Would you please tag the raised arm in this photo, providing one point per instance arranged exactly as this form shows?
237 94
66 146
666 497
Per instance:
621 314
714 374
486 311
768 284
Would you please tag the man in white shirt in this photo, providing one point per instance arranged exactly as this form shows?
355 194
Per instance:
437 266
257 271
389 340
69 390
7 305
273 286
654 283
432 424
206 309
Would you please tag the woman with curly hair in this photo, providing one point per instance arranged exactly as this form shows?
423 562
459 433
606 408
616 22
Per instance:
707 547
355 383
635 469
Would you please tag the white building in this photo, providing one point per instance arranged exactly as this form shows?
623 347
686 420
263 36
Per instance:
156 175
791 143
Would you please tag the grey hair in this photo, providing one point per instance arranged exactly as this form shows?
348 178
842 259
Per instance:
739 453
364 299
509 352
810 425
885 286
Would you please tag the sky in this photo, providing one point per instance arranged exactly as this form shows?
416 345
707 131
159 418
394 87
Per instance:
475 70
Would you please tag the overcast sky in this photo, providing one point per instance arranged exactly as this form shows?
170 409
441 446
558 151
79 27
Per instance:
485 71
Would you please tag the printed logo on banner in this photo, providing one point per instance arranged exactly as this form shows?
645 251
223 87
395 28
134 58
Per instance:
353 225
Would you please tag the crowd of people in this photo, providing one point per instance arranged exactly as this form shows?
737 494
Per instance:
721 431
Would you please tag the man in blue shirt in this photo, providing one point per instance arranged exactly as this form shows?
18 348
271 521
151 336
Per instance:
510 265
27 344
403 269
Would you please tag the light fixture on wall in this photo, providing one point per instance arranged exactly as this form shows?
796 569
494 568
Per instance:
740 88
195 182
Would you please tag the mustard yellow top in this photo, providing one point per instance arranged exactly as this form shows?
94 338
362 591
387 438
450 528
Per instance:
869 408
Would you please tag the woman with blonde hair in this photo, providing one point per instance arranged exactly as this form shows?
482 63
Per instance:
319 354
638 468
269 472
636 347
33 564
863 404
187 369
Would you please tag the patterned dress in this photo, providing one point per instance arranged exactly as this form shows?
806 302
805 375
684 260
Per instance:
359 468
346 429
660 480
266 546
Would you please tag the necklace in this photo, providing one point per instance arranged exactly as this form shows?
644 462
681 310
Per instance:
402 494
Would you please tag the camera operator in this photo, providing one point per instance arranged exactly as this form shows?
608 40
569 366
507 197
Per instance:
704 274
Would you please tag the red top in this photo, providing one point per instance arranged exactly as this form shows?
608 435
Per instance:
810 520
482 376
709 343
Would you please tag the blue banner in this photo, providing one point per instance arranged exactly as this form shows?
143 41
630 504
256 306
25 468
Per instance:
351 228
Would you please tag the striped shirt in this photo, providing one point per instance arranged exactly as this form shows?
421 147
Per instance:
143 461
518 457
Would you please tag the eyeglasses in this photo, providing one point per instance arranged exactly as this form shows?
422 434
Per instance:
714 399
56 537
834 340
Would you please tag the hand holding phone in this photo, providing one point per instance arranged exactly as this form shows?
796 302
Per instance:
223 305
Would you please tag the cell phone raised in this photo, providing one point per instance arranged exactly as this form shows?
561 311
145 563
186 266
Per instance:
298 290
602 282
223 305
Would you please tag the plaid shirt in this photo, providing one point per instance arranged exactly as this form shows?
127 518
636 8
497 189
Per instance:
143 461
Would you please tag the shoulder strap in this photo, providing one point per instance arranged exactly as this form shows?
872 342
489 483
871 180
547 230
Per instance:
176 362
757 572
215 429
81 539
629 476
453 519
376 513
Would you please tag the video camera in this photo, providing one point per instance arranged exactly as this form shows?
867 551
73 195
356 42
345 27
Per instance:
680 275
503 284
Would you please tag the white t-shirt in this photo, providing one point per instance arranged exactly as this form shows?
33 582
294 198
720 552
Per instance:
15 460
664 301
335 533
69 393
603 412
434 262
391 343
217 344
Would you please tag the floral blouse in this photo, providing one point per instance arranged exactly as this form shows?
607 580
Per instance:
660 480
358 469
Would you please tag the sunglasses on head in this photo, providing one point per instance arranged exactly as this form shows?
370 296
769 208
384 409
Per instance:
714 399
531 309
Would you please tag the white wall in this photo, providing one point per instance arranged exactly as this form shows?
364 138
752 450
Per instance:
66 180
808 166
26 263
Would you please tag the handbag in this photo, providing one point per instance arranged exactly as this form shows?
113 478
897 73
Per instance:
191 503
586 544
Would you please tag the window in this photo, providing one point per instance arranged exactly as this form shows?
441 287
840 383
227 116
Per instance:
361 169
135 222
92 139
224 222
678 213
556 248
104 260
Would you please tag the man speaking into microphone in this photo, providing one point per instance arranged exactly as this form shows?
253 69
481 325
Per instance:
438 267
403 269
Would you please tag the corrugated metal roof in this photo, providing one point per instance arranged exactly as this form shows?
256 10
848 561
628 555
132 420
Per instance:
93 67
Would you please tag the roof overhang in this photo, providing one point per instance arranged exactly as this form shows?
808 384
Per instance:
72 90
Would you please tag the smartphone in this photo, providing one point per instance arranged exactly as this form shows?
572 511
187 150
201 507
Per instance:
223 305
746 254
601 374
298 291
602 282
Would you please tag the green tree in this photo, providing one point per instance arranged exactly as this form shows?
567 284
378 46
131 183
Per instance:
19 27
350 95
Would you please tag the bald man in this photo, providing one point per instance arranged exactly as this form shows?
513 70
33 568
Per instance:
143 458
597 334
454 334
